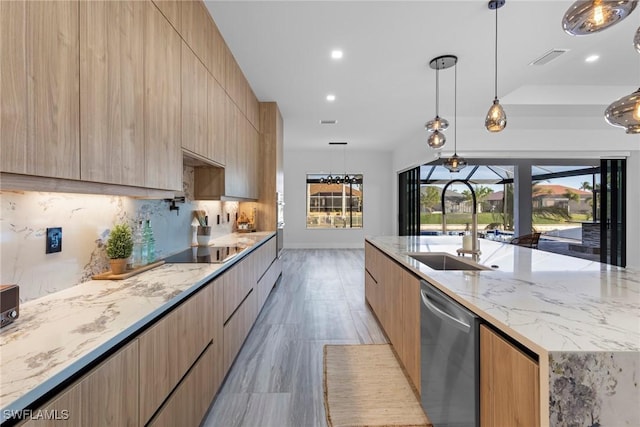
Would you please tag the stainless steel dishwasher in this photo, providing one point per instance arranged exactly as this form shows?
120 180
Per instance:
449 335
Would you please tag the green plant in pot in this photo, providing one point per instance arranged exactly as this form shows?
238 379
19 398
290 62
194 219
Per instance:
119 248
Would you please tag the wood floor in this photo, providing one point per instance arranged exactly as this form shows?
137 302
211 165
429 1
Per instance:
276 379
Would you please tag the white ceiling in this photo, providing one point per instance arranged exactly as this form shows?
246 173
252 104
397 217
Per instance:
384 89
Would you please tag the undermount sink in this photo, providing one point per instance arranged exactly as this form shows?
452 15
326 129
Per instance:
445 261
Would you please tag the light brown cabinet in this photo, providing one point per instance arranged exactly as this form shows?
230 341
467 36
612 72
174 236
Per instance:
111 95
410 354
271 176
171 347
189 402
195 125
172 10
239 280
106 396
162 125
253 108
216 121
237 328
39 82
509 383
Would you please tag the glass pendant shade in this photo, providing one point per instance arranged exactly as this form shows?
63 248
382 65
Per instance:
496 118
636 40
329 179
455 164
586 17
437 124
436 140
625 113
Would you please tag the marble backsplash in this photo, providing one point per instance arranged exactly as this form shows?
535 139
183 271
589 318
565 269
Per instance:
86 221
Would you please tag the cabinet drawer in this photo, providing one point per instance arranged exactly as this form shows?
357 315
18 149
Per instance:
237 328
265 284
238 282
191 399
170 348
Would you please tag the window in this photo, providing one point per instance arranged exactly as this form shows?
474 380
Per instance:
333 202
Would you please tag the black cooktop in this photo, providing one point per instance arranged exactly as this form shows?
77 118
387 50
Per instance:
205 254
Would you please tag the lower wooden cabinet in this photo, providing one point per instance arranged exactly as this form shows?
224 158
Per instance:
267 281
410 354
237 328
509 383
106 396
170 348
189 402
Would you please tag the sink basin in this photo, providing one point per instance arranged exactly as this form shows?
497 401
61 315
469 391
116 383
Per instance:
445 261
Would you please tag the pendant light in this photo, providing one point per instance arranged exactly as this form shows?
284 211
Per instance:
437 139
496 119
455 163
625 113
587 17
438 123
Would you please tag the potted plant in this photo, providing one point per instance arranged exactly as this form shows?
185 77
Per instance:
119 248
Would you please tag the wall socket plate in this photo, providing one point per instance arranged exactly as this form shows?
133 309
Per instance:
54 240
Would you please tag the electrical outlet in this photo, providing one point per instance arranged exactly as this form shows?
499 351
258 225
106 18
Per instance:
54 240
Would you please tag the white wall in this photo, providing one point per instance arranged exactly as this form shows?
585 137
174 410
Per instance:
377 186
533 143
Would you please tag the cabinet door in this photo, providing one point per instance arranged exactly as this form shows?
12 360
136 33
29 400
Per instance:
162 131
112 96
410 355
509 383
392 300
216 119
194 27
252 169
217 56
231 174
253 108
40 118
107 396
172 10
195 78
170 348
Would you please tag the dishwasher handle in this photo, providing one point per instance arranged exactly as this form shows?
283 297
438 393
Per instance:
464 327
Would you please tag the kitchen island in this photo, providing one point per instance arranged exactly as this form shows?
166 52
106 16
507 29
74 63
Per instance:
62 338
580 318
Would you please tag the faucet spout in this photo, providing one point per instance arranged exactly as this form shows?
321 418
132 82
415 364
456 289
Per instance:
475 251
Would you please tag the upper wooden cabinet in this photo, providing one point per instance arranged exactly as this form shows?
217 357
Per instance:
39 83
111 95
162 124
195 101
253 108
217 121
172 10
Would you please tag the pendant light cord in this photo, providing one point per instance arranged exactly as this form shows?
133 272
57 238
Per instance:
455 109
437 89
496 55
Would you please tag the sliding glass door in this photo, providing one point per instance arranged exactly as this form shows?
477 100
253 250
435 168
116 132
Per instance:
409 202
613 212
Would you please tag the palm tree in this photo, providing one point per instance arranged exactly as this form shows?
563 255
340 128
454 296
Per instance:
585 186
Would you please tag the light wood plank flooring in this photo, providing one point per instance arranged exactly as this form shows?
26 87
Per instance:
276 379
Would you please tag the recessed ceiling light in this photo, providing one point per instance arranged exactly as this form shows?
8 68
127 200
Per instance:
592 58
331 98
336 54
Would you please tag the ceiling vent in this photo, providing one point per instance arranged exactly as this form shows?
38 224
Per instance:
549 56
338 143
328 122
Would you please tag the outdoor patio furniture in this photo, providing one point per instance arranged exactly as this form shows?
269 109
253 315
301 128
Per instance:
527 240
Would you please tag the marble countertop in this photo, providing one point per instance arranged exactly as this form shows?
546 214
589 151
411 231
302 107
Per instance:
60 334
548 302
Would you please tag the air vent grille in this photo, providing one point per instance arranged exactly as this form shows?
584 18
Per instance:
548 56
328 122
